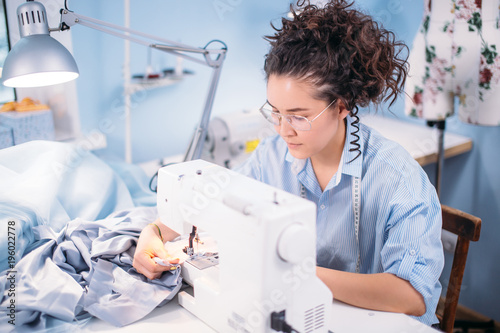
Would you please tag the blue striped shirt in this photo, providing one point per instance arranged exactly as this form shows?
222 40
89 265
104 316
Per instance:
400 222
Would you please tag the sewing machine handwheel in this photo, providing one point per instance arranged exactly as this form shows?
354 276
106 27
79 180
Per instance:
295 243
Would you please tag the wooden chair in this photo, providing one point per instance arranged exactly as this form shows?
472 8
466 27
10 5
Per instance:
467 227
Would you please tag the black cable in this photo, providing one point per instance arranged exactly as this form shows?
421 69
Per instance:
289 329
279 324
155 176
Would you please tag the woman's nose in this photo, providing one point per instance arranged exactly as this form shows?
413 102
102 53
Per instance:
285 129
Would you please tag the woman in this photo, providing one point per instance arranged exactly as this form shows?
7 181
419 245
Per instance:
379 218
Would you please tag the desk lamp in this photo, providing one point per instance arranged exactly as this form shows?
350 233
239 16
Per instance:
25 65
39 60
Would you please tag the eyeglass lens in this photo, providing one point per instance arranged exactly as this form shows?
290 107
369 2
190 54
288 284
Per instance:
298 122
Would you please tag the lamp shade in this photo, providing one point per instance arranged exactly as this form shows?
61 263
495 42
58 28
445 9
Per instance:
37 59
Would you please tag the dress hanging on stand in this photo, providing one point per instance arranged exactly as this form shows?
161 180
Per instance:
456 53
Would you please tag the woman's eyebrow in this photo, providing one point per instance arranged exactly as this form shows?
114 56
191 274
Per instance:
290 110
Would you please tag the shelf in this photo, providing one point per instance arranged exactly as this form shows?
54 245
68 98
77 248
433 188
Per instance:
143 84
139 84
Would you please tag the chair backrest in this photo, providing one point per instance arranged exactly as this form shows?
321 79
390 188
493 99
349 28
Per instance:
467 227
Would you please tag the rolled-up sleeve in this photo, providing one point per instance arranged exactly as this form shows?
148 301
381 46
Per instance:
412 248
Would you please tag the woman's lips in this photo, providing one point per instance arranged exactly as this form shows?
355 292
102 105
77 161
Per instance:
292 145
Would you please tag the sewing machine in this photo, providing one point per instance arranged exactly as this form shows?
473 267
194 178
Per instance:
262 278
233 136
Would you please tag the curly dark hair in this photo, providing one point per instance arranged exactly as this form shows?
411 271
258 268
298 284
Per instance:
344 53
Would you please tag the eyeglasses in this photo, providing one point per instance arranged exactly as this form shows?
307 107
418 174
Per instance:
299 123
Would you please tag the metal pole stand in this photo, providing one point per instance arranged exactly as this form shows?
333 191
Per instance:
440 125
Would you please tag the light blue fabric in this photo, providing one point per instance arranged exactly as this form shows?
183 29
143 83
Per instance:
87 267
400 224
136 181
75 226
51 183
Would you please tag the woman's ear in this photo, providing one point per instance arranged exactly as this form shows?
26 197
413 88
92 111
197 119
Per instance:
343 112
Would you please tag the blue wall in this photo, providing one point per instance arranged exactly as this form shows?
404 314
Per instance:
164 118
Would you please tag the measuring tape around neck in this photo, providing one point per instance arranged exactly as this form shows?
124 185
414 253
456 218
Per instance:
356 208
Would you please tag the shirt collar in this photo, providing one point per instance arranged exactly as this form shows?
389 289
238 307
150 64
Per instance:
353 168
298 164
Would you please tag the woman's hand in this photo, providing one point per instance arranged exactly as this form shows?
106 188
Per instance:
149 246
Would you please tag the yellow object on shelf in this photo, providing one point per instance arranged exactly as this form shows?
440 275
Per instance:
27 104
9 106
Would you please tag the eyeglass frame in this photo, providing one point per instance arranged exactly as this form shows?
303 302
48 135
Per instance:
287 116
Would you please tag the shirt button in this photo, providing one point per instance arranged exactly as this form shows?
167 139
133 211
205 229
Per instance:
322 207
412 252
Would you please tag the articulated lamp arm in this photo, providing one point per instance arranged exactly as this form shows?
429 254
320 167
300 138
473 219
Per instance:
211 57
69 19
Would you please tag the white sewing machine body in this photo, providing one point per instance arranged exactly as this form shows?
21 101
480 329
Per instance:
266 246
233 136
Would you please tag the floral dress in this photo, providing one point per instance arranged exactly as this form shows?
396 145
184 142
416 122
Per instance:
455 62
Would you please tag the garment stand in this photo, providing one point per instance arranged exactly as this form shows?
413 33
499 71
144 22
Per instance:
440 125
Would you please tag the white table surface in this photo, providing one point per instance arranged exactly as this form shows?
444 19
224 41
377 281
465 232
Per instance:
345 319
420 141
